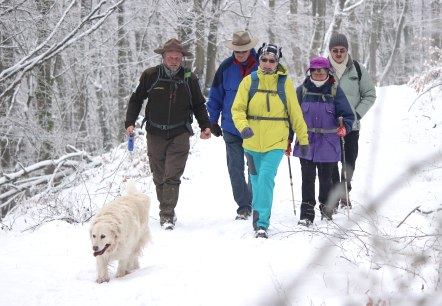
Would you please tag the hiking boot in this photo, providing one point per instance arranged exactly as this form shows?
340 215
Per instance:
168 226
326 212
305 222
261 232
344 203
244 215
167 223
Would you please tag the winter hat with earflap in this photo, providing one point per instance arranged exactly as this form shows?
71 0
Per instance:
270 49
319 62
338 39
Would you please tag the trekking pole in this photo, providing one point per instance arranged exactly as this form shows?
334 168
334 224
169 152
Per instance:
344 168
291 185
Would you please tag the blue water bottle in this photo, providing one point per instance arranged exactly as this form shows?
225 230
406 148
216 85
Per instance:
130 142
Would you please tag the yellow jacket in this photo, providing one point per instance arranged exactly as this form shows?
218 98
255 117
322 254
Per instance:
268 134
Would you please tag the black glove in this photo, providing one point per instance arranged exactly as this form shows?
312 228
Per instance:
304 150
216 130
246 133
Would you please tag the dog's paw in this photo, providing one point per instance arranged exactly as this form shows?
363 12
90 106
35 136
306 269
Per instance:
102 279
121 273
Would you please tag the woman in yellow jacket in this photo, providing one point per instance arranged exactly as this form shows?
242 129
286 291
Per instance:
264 114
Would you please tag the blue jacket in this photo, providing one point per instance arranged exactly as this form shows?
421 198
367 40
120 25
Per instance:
321 112
223 91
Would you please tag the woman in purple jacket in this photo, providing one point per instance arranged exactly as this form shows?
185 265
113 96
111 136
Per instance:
323 103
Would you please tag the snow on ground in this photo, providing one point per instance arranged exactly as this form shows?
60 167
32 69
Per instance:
211 259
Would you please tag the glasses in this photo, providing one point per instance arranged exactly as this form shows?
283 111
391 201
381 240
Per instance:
319 70
240 52
343 50
270 60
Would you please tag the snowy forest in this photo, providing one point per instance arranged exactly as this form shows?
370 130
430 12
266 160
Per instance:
68 68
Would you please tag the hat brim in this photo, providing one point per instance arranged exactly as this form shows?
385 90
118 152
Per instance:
250 45
184 52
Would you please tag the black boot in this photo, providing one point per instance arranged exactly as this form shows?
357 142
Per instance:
326 212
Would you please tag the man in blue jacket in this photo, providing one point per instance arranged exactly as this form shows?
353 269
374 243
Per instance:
222 93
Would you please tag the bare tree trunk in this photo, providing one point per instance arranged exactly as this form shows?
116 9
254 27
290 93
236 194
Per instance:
270 29
200 38
318 13
296 49
436 27
354 35
397 42
212 42
43 89
122 61
376 27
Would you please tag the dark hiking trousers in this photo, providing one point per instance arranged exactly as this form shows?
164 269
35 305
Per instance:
351 147
242 191
167 160
308 172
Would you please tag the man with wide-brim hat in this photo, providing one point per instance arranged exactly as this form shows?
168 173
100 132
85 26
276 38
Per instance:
173 44
174 97
230 73
172 52
241 41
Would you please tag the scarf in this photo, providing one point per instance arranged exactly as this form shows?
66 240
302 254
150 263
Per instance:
319 83
246 67
339 68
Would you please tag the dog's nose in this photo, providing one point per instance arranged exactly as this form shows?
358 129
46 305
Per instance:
95 248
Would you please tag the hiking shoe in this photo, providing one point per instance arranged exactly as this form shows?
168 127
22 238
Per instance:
243 215
167 223
344 203
168 226
261 232
326 212
305 222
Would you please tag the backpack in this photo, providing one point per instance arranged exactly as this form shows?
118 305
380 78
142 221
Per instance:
280 88
280 91
185 81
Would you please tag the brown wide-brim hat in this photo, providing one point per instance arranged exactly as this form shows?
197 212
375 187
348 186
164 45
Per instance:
241 41
173 45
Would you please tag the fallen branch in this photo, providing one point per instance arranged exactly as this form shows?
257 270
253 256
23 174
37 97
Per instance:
416 208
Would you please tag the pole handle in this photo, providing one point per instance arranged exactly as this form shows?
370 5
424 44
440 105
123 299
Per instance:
341 121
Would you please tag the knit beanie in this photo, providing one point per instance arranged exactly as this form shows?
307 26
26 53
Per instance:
270 49
338 39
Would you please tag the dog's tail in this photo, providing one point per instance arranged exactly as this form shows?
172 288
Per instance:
131 187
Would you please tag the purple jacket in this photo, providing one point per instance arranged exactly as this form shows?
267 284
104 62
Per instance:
321 112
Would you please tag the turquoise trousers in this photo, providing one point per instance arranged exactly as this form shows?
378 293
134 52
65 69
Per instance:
262 169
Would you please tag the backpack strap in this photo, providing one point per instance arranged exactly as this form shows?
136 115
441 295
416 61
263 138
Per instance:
333 92
253 86
280 91
358 69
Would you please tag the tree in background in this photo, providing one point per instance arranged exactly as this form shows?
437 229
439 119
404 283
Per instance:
67 68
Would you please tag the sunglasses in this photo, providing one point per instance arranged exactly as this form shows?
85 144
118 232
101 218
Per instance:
270 60
319 70
240 52
343 50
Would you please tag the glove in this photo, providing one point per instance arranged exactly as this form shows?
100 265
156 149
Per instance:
216 130
288 152
246 133
304 150
342 131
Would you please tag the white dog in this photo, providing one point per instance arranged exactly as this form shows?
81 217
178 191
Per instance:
119 231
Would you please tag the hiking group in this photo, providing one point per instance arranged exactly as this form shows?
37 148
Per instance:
254 105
